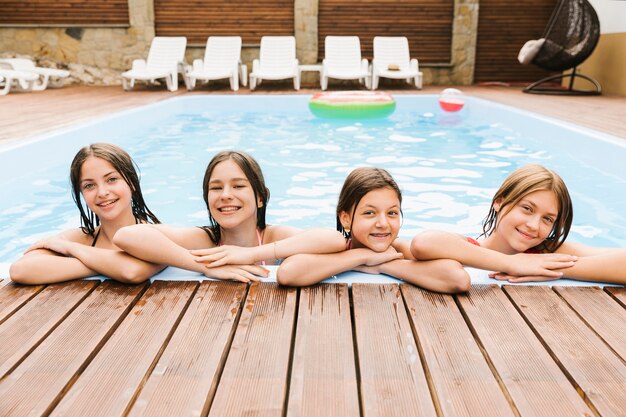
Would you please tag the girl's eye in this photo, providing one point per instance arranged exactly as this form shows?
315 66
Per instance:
240 186
368 213
549 220
215 188
527 208
112 179
88 186
393 213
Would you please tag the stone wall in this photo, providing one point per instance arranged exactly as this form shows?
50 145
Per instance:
96 56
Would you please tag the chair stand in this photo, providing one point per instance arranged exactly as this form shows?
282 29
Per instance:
538 88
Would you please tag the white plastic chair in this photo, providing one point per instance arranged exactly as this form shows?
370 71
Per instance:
43 74
277 61
165 56
222 59
22 79
343 60
392 60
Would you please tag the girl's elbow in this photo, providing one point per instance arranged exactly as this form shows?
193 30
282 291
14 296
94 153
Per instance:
460 280
285 274
19 273
134 274
122 237
419 246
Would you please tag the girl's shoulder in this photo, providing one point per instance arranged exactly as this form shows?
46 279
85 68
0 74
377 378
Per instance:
78 235
274 233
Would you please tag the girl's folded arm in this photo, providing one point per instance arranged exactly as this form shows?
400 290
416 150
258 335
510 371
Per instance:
308 269
289 241
596 264
42 266
434 244
441 275
164 245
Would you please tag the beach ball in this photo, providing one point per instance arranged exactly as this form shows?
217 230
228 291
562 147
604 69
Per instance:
451 100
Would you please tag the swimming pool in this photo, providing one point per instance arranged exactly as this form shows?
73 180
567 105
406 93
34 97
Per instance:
448 165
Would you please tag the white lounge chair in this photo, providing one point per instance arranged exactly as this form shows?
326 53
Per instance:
166 56
43 74
22 79
343 60
222 59
392 60
277 61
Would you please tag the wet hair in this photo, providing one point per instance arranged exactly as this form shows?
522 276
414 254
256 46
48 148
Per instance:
124 164
523 181
358 183
253 173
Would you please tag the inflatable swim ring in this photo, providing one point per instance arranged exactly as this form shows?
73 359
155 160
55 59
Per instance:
451 100
352 105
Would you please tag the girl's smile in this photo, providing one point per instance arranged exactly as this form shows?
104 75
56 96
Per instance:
231 197
375 222
104 190
525 225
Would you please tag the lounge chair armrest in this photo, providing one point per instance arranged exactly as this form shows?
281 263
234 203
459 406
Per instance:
365 64
198 64
256 64
415 64
139 65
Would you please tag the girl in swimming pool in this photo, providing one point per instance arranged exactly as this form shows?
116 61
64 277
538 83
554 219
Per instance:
524 236
106 190
369 216
237 238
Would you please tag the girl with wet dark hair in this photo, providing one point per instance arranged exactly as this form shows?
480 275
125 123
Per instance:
105 187
237 242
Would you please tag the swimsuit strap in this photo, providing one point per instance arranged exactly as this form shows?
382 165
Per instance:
260 242
349 243
95 239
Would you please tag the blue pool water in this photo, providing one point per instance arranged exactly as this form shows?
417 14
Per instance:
448 165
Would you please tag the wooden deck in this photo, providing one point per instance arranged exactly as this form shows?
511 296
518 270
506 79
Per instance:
86 348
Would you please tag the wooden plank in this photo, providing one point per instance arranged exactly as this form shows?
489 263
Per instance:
37 384
65 12
393 382
185 378
460 375
126 359
532 380
619 293
323 375
601 312
255 375
590 364
13 296
25 329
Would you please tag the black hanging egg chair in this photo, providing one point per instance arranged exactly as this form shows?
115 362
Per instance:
570 37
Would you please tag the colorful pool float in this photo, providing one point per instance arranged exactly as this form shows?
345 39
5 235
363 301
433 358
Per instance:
352 105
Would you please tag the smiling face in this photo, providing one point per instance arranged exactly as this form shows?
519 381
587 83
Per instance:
375 221
105 192
231 198
526 224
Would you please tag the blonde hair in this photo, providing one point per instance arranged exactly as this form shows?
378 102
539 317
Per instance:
523 181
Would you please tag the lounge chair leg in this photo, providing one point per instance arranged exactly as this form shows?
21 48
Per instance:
128 85
7 87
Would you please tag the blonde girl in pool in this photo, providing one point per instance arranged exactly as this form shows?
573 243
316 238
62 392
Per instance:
237 238
524 236
369 215
104 177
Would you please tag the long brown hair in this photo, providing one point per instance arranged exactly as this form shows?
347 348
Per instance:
253 173
523 181
358 183
124 164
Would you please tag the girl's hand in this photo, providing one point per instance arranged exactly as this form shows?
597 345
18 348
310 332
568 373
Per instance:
379 258
539 264
224 255
374 269
529 278
57 244
243 273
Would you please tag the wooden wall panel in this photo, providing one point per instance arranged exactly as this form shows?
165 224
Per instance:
503 28
426 23
64 12
250 19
